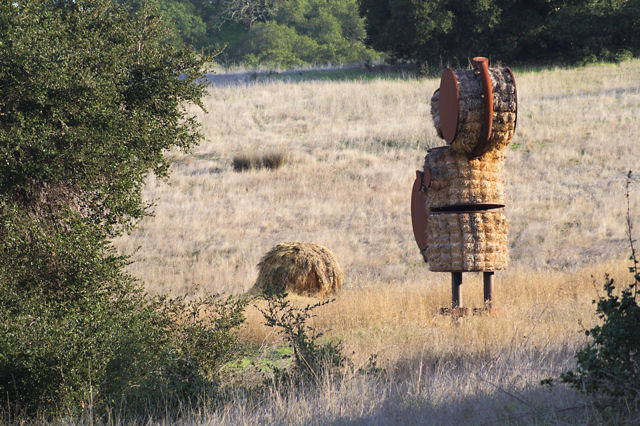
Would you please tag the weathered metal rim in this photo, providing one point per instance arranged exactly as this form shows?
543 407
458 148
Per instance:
481 64
470 208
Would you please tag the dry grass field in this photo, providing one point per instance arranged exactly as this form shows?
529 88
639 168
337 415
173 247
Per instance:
353 148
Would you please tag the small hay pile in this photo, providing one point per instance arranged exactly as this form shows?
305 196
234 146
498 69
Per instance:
300 268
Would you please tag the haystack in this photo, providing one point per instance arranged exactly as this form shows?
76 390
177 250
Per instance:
301 268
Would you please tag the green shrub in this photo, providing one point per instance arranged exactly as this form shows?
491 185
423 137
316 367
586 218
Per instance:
92 94
184 20
275 45
76 331
303 32
311 357
609 366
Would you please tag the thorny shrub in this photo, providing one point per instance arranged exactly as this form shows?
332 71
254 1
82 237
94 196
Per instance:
311 358
608 367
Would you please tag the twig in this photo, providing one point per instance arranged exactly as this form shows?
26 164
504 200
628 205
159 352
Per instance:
634 259
516 397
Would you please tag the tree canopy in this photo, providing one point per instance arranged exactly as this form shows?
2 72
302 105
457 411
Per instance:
92 92
89 101
437 32
453 31
274 32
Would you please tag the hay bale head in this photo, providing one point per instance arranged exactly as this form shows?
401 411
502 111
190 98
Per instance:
301 268
471 110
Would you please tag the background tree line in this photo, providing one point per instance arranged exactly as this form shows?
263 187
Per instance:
284 33
512 30
298 32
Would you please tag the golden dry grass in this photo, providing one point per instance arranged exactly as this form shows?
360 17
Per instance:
353 149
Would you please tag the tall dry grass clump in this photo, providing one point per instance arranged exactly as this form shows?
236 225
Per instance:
301 268
271 160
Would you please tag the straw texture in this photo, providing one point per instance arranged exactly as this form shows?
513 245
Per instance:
473 241
504 108
301 268
456 180
435 113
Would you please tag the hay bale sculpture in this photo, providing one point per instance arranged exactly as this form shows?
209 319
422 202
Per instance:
458 199
301 268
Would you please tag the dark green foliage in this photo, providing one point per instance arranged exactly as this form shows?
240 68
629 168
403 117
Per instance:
187 24
311 358
306 32
609 366
452 31
76 331
275 32
91 95
89 100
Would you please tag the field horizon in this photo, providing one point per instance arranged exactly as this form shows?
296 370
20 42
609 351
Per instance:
353 147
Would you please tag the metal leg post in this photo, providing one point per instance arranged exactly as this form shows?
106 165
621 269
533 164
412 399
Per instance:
488 288
456 296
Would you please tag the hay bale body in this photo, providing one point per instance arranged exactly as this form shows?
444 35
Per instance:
467 241
456 180
301 268
471 110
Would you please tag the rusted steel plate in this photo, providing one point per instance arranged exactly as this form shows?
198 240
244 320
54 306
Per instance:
449 105
515 88
419 213
426 178
481 64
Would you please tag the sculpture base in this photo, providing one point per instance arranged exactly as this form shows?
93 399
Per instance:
458 312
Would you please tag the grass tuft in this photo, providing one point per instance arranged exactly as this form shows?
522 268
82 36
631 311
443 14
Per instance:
271 160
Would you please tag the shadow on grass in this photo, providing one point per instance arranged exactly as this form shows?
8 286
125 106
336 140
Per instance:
347 73
479 389
457 389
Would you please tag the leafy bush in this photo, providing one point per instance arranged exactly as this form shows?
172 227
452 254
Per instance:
185 22
92 93
298 32
311 358
112 350
275 45
609 366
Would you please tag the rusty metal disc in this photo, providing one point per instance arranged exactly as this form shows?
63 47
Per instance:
419 213
449 105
